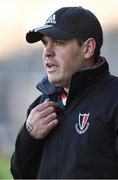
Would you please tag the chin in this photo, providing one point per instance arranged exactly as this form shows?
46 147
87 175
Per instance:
56 82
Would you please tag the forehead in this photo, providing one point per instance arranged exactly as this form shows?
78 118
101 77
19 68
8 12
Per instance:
47 38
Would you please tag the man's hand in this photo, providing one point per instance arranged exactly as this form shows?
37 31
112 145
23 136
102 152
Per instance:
42 119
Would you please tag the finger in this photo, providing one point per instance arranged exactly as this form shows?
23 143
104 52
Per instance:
50 118
52 124
45 105
47 100
46 112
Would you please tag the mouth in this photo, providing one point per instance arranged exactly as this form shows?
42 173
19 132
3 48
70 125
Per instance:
50 67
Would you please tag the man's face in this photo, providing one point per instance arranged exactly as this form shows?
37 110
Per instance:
61 60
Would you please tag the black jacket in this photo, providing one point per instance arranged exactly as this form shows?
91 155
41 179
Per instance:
85 143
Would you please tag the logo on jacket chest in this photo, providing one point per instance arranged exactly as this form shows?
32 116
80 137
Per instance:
82 125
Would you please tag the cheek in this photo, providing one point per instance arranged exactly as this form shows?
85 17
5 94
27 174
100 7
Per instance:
66 68
70 60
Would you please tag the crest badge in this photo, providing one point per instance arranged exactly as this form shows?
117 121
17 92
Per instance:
83 124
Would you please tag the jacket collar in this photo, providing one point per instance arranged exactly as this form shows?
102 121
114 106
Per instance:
46 87
79 80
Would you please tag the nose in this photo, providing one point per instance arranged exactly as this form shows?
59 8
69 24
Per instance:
49 51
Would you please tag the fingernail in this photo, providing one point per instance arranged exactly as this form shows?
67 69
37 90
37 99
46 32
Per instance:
47 99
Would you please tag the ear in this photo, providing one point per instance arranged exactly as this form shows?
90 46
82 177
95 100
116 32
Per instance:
89 48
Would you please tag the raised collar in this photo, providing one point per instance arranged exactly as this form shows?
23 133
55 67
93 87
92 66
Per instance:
46 87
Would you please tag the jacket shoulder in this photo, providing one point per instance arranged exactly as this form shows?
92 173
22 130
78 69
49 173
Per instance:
114 81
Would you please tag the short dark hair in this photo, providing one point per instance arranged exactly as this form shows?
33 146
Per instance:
82 39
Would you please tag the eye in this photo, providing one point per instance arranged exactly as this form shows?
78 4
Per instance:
59 42
44 42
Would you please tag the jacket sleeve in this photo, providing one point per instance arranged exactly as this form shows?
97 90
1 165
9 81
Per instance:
26 158
116 131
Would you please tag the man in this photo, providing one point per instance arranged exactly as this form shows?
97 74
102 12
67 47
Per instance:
71 130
